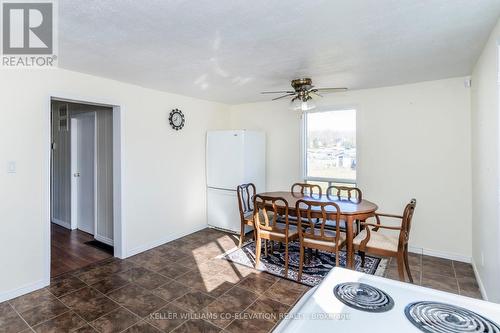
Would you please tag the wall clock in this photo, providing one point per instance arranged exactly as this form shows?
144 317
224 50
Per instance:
176 119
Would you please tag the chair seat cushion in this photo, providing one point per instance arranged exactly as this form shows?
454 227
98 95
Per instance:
327 233
249 217
292 230
378 240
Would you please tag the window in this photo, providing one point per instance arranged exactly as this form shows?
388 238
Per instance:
330 147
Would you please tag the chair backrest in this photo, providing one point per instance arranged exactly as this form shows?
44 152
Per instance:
404 235
246 192
351 193
311 189
312 217
277 206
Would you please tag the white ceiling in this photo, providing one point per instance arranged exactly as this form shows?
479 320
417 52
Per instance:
230 50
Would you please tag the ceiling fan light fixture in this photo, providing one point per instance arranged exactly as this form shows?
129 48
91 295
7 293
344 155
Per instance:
305 104
302 94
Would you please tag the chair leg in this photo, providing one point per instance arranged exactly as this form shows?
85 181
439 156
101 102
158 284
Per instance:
242 235
258 245
362 255
301 263
401 270
286 259
336 257
407 264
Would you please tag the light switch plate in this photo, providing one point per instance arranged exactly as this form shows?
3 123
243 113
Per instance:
11 167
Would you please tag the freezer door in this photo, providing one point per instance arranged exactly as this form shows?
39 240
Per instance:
222 210
225 159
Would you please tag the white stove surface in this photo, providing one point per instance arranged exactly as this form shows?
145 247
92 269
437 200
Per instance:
320 311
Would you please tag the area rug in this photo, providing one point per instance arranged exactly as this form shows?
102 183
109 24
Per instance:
313 272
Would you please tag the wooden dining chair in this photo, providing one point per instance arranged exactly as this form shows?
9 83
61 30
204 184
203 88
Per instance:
313 234
308 189
352 194
305 189
372 241
246 193
270 227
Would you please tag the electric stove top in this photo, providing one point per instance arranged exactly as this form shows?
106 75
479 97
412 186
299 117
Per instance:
349 301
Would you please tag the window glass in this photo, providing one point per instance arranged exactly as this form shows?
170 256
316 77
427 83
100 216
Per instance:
330 146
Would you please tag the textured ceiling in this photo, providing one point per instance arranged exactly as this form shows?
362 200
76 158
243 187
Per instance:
230 50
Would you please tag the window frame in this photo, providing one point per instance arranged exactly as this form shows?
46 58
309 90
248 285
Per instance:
303 146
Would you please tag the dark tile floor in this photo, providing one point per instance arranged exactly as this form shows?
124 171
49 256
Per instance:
442 274
181 287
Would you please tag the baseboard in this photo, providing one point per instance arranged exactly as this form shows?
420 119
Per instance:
159 242
479 281
440 254
62 223
104 240
5 296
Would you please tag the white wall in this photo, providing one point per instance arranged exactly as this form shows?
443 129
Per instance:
413 141
485 168
163 170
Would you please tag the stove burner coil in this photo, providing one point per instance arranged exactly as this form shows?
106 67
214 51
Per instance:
363 297
438 317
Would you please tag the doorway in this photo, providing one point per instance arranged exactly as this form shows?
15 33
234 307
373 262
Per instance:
81 185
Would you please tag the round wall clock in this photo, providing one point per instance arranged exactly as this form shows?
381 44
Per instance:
176 119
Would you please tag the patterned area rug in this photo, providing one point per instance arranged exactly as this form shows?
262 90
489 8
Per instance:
314 271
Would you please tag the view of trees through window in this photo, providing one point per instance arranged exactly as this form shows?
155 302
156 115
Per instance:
331 145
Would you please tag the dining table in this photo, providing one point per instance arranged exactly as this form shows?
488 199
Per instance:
351 210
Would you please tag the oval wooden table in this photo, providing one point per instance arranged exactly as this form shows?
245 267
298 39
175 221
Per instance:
350 212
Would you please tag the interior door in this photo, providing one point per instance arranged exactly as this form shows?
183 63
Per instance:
83 172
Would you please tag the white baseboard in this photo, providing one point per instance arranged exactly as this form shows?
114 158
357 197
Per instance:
440 254
479 281
104 240
62 223
159 242
5 296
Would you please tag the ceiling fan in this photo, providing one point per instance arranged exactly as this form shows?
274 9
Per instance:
302 94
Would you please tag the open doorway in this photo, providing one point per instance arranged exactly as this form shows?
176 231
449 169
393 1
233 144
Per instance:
81 208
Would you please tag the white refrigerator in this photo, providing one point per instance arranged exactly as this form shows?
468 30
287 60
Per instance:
233 157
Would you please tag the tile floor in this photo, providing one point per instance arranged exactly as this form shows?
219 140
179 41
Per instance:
442 274
180 287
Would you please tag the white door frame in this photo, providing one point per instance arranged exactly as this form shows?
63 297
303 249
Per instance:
74 196
118 165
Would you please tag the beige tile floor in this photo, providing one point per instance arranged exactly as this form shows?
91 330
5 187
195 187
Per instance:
181 287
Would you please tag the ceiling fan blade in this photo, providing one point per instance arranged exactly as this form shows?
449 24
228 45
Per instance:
328 90
316 93
283 96
278 92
